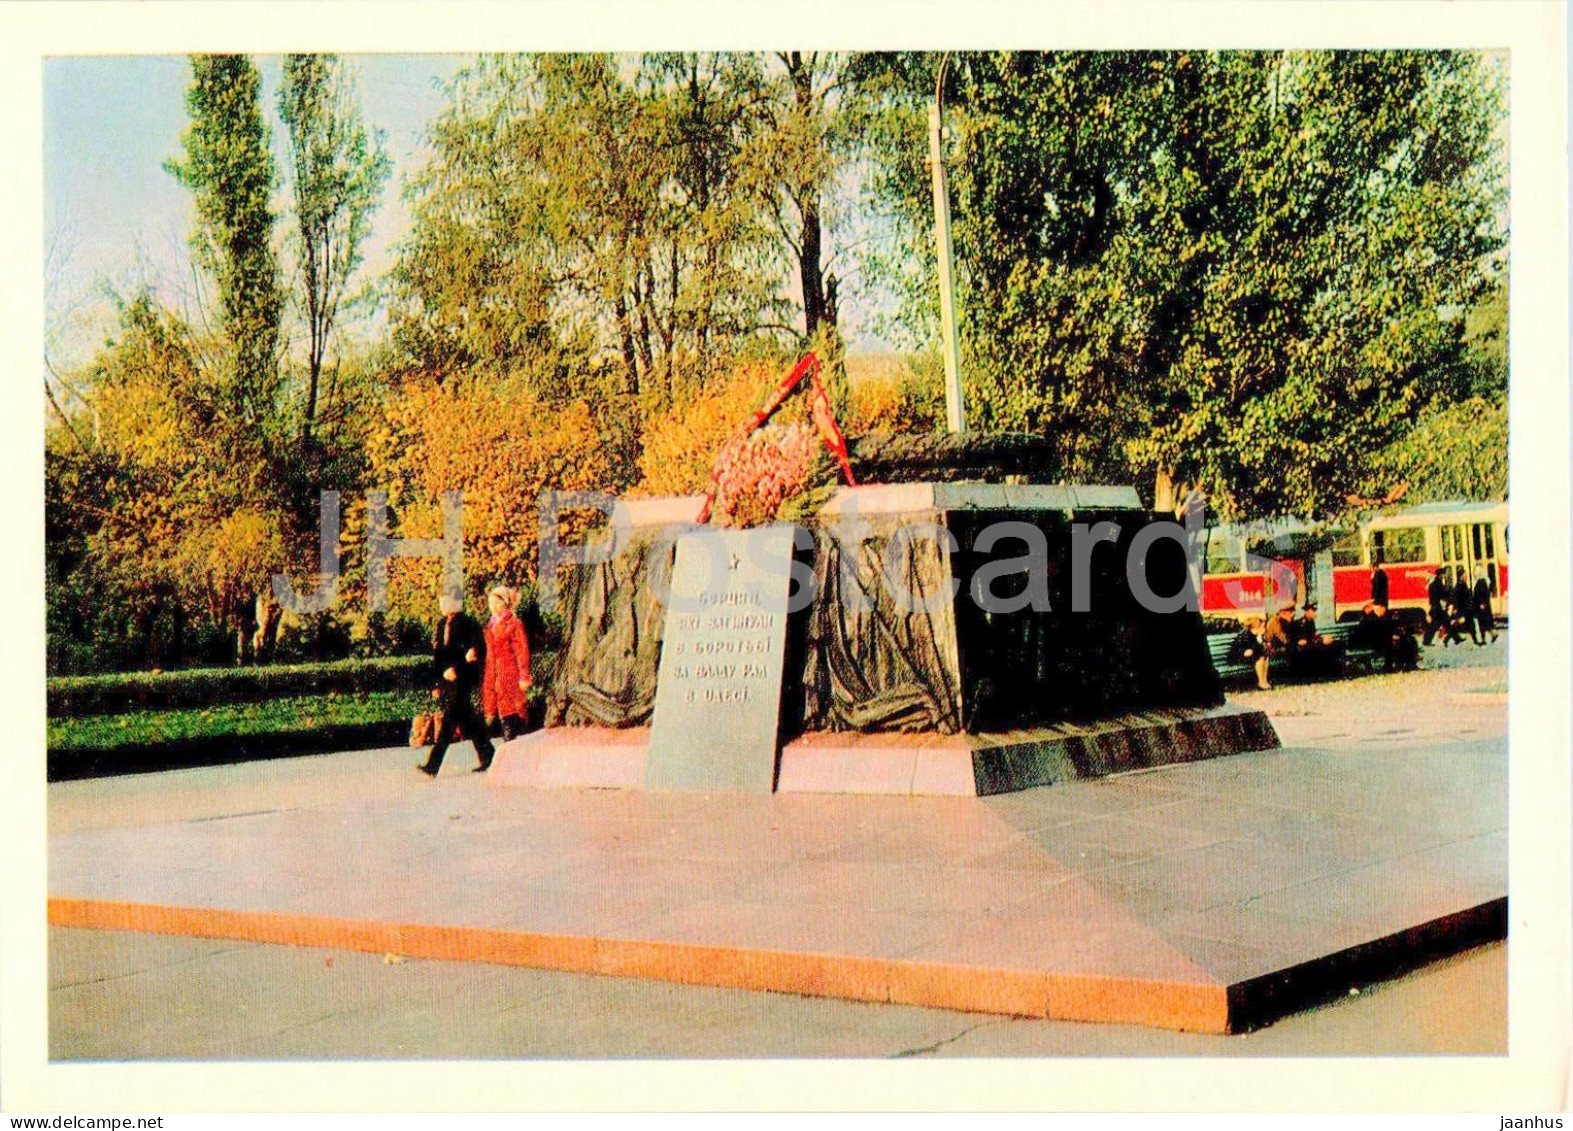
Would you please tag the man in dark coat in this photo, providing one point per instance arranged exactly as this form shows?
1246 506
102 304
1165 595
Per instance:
1378 583
1464 607
1380 630
1483 614
1437 620
1315 653
458 659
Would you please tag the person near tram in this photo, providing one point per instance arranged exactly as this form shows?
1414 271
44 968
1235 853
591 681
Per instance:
1378 582
1278 635
1374 631
1482 606
1312 652
1403 652
1439 621
1464 608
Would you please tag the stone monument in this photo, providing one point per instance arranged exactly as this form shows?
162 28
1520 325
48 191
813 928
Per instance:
893 677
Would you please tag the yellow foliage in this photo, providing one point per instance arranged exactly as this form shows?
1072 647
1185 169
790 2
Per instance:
681 442
229 560
893 397
498 445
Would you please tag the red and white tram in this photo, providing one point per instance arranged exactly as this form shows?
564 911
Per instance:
1252 570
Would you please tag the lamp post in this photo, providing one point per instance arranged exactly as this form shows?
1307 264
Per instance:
955 409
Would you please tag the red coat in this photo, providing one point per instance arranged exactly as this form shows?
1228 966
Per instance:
507 666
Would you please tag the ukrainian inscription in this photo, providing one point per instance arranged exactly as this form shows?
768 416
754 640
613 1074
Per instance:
718 687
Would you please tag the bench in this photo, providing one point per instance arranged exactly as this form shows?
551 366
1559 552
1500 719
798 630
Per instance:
1354 656
1229 670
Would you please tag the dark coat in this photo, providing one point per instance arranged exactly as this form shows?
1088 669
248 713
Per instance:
1246 648
1302 630
1374 632
451 640
1436 592
1463 600
1379 586
1482 596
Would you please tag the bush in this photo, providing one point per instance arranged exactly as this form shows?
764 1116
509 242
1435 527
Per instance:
896 394
203 687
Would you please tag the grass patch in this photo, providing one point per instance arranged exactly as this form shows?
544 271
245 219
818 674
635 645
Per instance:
292 715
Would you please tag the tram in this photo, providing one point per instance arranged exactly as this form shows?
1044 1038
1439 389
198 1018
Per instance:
1252 570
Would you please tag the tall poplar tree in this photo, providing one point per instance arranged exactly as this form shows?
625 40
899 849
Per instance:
337 171
228 166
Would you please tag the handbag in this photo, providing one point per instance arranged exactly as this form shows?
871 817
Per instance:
423 731
426 727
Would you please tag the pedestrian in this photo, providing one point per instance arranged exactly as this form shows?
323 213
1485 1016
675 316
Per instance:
1403 653
1278 636
1315 653
1249 648
458 659
507 675
1482 602
1437 618
1464 608
1378 582
1373 631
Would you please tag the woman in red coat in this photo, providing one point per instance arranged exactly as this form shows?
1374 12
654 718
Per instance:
507 676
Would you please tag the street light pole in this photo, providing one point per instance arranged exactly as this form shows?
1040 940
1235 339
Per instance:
955 409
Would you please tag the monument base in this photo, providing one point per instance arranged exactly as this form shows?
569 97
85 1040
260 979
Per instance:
958 765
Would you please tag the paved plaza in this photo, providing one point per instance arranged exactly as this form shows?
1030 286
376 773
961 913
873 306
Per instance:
1234 893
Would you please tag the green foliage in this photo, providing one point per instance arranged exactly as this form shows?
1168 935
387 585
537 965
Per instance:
228 167
206 687
1458 452
1245 269
338 171
587 218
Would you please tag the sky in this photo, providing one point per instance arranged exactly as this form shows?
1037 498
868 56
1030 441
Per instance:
115 220
114 216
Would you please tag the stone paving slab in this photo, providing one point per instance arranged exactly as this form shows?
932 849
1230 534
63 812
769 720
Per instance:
1205 896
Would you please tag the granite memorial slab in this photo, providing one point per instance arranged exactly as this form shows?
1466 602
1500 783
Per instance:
718 685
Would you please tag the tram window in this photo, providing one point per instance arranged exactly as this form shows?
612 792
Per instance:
1405 544
1223 555
1346 551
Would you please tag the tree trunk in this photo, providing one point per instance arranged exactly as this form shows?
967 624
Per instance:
314 299
1163 491
626 330
177 635
808 269
643 294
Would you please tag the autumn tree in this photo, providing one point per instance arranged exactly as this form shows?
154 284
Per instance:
500 447
815 112
337 170
157 519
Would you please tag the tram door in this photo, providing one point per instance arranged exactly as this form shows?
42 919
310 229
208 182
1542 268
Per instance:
1471 545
